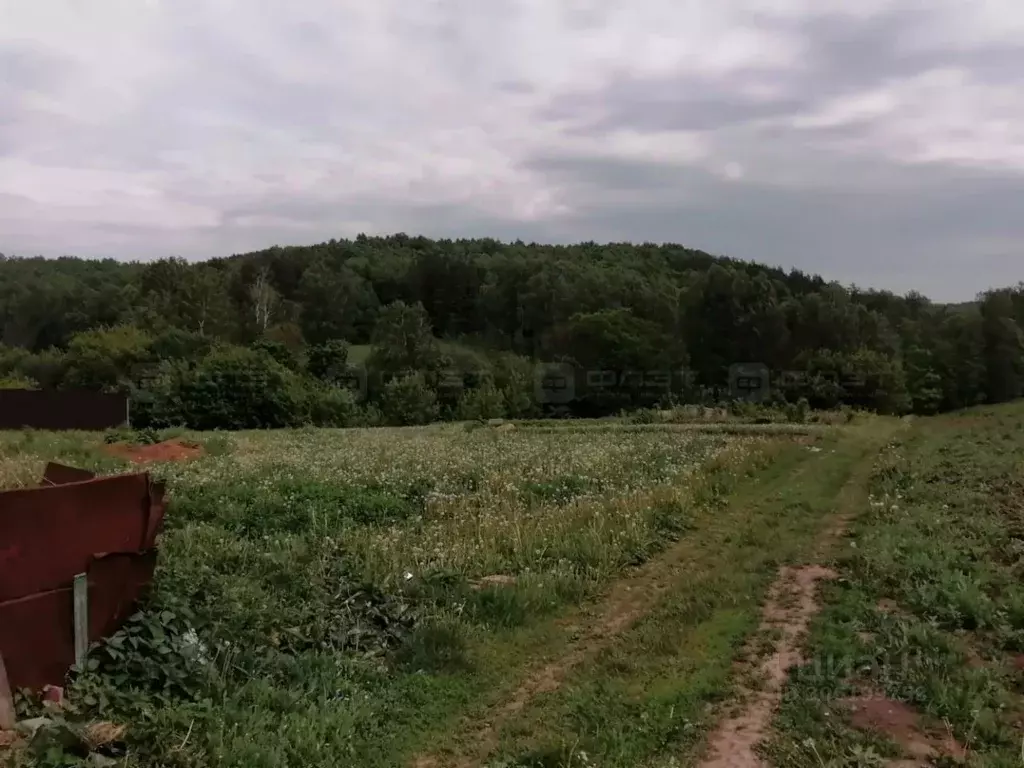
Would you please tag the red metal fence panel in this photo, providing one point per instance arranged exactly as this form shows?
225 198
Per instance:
61 409
105 527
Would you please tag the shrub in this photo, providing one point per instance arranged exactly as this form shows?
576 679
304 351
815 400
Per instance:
485 402
277 351
179 344
330 406
328 361
797 413
645 416
16 381
407 400
46 367
106 358
231 388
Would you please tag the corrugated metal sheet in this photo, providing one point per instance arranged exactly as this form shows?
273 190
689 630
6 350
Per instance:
105 527
61 409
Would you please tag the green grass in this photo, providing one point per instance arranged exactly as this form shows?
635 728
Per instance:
649 697
358 354
317 598
929 609
338 583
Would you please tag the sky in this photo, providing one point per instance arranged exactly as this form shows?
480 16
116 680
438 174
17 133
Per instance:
876 142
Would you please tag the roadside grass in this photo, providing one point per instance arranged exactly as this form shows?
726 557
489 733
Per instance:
597 426
327 597
649 697
929 609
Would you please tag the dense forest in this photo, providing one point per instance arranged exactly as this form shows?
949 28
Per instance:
268 338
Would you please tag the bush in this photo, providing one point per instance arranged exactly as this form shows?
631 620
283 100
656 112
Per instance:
407 400
46 367
277 351
179 344
486 402
798 413
645 416
328 361
131 436
15 381
157 402
332 407
106 358
231 388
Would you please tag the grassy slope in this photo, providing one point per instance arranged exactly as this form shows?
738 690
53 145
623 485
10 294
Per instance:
642 698
647 698
930 606
282 545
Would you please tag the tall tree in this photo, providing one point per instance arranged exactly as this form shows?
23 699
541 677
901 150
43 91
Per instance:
336 303
403 341
1003 347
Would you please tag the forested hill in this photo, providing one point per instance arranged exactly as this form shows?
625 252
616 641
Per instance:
614 307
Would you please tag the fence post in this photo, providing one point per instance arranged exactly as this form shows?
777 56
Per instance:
81 594
7 717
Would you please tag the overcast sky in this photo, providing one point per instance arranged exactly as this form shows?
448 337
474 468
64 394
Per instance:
879 142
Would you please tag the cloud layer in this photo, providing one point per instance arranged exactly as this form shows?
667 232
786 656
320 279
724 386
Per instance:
877 142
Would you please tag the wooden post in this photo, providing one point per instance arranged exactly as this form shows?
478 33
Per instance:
7 718
81 594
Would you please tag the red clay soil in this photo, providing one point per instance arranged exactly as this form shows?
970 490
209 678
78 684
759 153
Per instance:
9 739
902 724
169 450
791 604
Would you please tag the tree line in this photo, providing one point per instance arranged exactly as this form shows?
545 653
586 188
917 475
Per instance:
266 338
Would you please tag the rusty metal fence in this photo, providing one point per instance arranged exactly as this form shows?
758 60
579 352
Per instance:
61 409
76 540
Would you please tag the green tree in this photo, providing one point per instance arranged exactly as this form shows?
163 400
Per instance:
615 339
107 359
328 361
336 303
408 400
403 342
277 351
332 406
193 297
238 388
1003 347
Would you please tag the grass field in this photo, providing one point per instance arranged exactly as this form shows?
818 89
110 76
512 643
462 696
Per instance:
573 595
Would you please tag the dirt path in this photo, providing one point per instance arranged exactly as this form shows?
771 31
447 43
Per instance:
787 612
790 606
629 599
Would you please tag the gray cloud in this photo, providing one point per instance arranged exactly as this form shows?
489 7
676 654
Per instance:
881 144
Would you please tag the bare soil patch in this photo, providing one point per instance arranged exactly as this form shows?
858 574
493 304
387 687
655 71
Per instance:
169 450
902 723
791 604
10 739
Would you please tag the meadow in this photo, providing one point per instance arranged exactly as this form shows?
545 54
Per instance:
570 595
328 592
